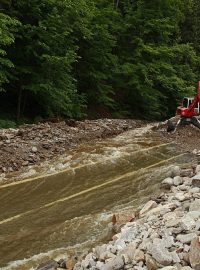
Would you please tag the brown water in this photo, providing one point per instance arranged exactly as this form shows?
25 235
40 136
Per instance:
49 216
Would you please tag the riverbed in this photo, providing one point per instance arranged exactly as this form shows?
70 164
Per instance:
49 216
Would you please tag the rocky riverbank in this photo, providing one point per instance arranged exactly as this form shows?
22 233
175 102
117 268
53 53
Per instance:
165 233
30 145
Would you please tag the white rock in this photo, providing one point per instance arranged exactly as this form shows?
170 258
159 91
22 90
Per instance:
115 264
160 253
193 214
162 209
195 205
186 238
178 180
195 190
187 181
175 257
186 248
197 170
169 268
149 205
34 149
99 265
180 196
187 223
120 244
176 171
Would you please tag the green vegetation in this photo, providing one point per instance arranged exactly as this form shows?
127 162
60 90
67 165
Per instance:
96 58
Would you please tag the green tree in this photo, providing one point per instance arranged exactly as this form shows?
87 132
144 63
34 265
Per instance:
156 65
8 26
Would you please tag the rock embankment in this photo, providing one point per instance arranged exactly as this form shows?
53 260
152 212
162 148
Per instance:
165 235
33 144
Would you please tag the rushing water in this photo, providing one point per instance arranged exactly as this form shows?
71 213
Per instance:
53 215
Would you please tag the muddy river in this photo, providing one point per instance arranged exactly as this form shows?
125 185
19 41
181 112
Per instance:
51 216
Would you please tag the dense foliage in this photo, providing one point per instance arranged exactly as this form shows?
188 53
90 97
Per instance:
97 58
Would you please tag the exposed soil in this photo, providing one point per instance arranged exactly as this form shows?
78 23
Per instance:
186 138
33 144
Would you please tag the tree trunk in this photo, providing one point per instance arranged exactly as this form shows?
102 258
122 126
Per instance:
19 104
117 4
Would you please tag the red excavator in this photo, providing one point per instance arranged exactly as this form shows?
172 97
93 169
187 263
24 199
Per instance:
187 112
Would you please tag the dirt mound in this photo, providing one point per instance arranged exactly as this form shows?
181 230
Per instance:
186 137
33 144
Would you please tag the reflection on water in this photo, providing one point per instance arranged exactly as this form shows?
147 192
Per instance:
51 215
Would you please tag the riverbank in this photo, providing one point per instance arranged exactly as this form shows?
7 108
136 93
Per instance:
162 234
33 145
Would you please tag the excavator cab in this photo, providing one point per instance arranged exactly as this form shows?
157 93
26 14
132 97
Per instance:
187 101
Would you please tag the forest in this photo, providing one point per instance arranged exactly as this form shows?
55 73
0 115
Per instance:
96 58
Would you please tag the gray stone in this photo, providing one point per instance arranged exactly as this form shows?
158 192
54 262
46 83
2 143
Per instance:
194 254
195 190
196 180
197 170
106 255
187 223
186 238
176 171
99 265
49 265
195 205
120 244
186 172
98 250
162 209
193 214
160 253
167 183
180 196
187 181
178 180
197 228
114 264
129 251
34 149
175 257
186 248
149 205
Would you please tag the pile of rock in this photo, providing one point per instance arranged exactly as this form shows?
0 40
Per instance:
32 144
165 236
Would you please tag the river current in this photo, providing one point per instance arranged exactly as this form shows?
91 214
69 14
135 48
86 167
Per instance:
55 215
